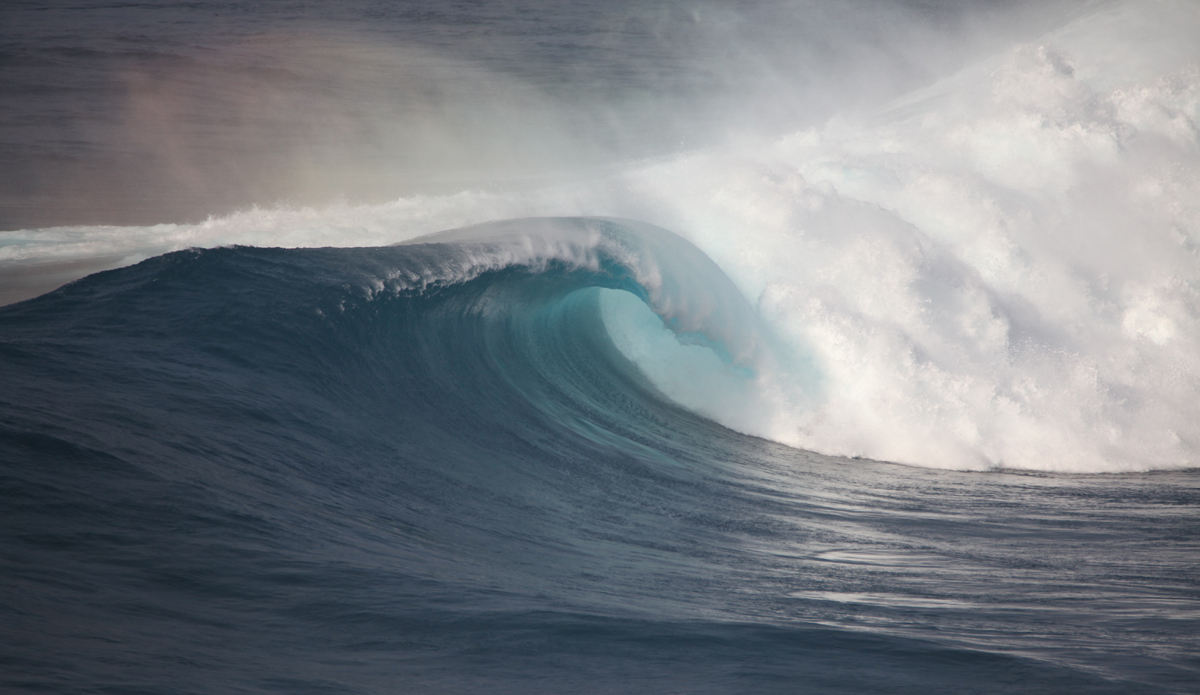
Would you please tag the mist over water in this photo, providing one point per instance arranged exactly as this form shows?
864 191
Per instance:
969 231
168 112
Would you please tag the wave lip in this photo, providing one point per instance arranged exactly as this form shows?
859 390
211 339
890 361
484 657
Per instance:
683 286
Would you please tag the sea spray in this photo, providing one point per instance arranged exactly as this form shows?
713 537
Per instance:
998 271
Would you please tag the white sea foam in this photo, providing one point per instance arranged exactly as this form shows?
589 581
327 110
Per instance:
1000 270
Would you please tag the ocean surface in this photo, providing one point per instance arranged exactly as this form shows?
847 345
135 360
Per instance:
532 347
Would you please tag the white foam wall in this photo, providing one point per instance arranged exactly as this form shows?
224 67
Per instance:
999 271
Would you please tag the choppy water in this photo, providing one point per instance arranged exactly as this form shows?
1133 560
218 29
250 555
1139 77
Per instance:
570 448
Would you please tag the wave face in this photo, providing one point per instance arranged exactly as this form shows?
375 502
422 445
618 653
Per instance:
434 467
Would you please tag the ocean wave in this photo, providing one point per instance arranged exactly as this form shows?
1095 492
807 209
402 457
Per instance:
462 460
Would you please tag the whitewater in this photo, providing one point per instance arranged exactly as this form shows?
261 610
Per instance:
885 378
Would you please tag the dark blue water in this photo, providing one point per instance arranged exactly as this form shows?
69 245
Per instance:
266 470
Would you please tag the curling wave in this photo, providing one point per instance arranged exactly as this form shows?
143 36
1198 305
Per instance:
517 314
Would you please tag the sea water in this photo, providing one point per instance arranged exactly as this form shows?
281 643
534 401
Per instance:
577 348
